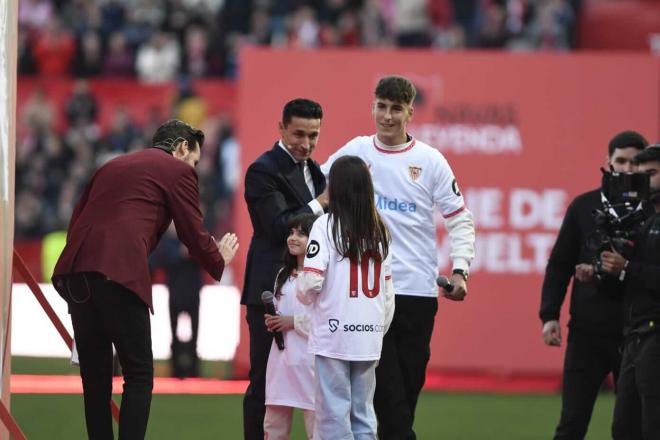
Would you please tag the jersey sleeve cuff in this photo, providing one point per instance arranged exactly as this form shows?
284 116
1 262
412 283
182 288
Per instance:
316 207
461 263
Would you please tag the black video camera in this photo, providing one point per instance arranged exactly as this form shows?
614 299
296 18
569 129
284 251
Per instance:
622 217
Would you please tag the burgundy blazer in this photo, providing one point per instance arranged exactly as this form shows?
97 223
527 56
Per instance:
126 207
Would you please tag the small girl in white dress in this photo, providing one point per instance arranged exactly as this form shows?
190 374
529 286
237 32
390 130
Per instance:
290 372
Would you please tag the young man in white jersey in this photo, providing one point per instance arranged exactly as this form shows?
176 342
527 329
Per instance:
410 178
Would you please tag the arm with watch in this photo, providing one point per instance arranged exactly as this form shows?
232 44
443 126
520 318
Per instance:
458 286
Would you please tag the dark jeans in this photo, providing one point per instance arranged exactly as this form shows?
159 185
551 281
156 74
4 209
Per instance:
637 407
105 313
254 407
589 359
401 370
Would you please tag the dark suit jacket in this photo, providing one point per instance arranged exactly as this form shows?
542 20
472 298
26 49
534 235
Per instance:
125 209
275 191
596 309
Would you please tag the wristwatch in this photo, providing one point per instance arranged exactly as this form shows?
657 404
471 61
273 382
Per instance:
461 272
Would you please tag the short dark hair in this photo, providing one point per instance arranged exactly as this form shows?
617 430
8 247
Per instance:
648 154
301 108
168 135
397 89
627 139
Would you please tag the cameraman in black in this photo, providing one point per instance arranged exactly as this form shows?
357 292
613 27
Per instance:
595 335
637 408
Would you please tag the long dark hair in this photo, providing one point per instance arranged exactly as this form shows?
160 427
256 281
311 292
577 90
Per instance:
357 228
304 223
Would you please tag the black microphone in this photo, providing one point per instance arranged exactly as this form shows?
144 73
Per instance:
267 299
443 282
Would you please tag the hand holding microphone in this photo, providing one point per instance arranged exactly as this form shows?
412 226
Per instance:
455 289
267 299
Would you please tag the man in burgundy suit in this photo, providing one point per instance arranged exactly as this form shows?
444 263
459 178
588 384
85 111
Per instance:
103 272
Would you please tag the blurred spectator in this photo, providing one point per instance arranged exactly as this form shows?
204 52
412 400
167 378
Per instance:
184 282
235 15
121 134
412 24
304 29
81 16
552 25
177 18
119 59
28 215
112 16
142 18
348 29
260 27
372 23
465 17
26 62
88 60
81 108
195 51
493 33
34 14
38 114
188 106
67 200
54 49
155 118
158 60
228 172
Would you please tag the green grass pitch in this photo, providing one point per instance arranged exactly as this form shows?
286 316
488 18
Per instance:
439 416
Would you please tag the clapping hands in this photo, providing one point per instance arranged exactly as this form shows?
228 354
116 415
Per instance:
227 246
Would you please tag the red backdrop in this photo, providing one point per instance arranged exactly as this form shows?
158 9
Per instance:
524 135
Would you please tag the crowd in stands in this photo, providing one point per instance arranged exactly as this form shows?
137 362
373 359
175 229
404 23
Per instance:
53 164
160 41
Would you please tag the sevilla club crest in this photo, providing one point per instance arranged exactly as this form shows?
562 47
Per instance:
414 172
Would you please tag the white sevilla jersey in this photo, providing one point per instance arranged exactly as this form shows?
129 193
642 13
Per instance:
350 313
408 184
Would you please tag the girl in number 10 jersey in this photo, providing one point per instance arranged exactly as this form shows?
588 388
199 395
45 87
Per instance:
347 278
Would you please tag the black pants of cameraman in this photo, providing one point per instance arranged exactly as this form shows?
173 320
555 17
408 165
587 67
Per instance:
589 359
637 408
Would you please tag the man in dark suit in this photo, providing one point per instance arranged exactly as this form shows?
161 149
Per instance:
103 272
279 184
593 346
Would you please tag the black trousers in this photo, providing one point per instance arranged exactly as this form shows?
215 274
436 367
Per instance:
401 370
637 407
254 407
589 359
105 313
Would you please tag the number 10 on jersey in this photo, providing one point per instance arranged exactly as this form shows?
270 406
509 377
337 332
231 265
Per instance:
364 272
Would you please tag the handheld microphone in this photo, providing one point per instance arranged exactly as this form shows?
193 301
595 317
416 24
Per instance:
443 282
267 299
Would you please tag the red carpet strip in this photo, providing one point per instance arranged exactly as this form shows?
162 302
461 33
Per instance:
29 384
